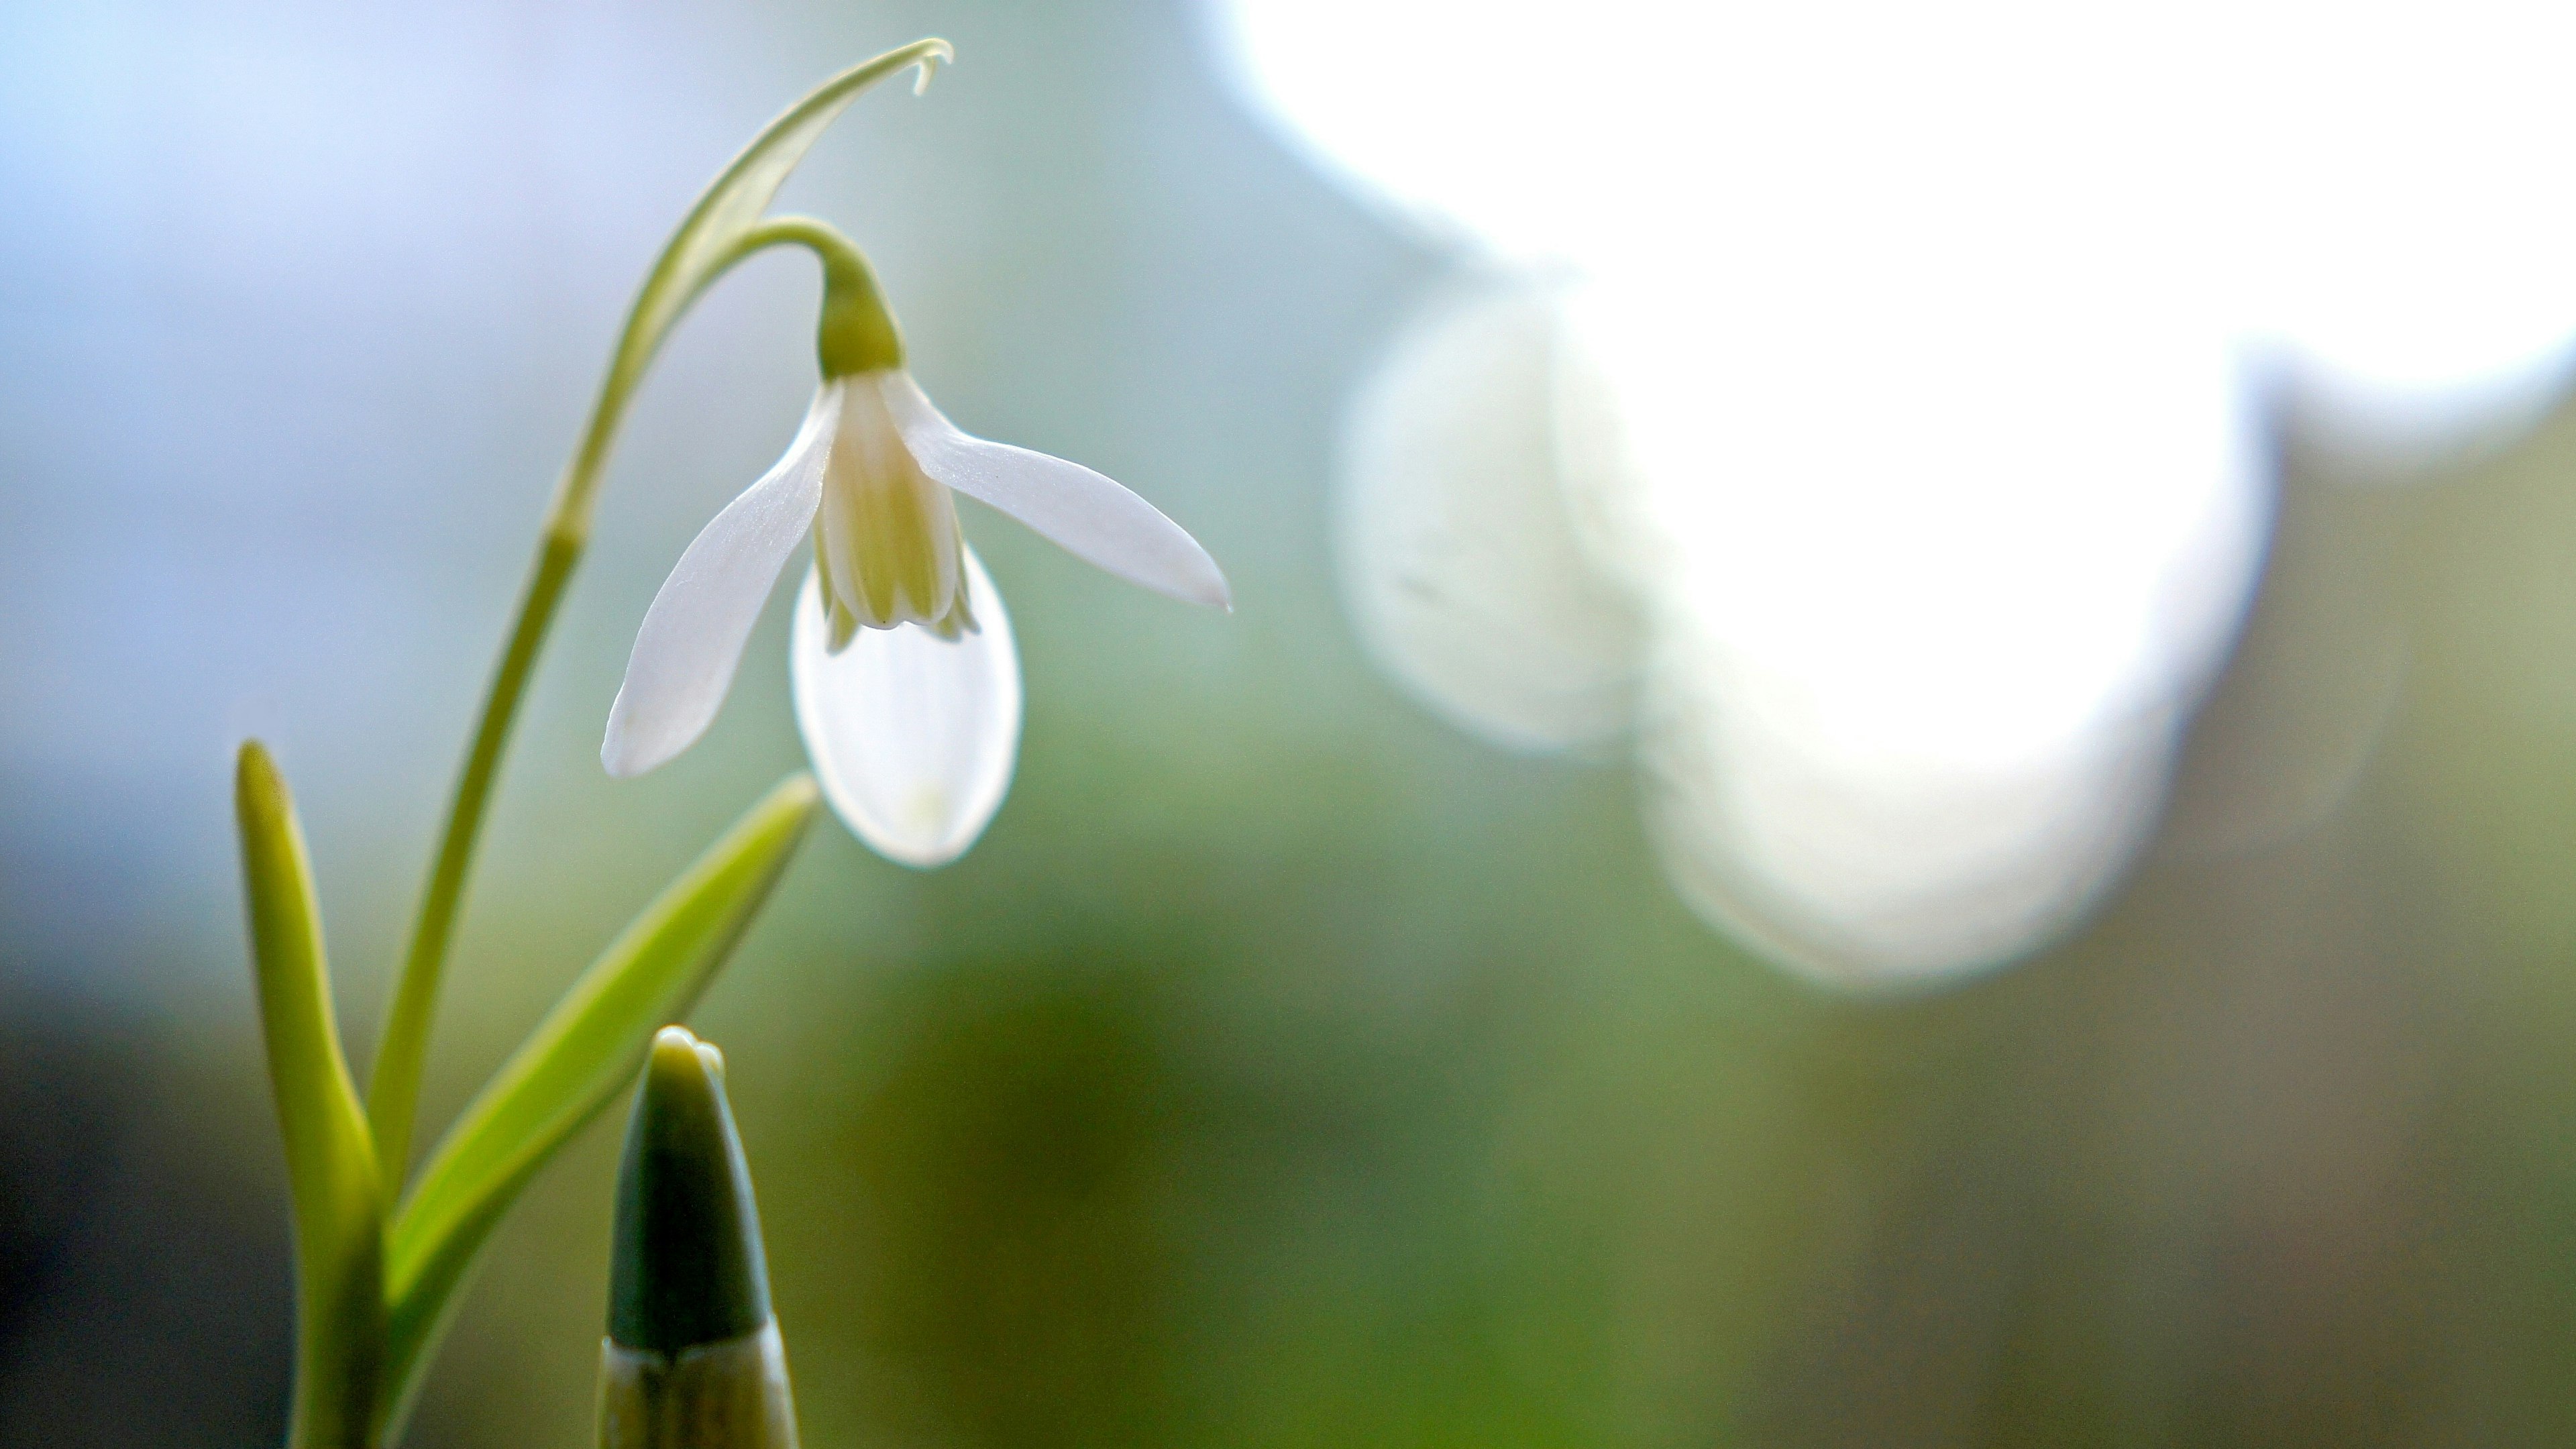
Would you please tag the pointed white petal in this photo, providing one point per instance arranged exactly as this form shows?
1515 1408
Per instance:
693 635
913 737
1083 512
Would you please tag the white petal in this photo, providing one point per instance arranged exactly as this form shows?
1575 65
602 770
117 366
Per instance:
693 635
1088 515
913 737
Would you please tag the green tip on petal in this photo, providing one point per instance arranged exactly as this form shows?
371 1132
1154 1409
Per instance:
687 1267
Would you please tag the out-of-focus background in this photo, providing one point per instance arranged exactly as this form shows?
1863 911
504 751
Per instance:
1289 1065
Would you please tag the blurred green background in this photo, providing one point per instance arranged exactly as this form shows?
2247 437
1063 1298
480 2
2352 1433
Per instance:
1283 1068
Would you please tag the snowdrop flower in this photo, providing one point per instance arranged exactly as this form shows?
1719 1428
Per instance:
906 682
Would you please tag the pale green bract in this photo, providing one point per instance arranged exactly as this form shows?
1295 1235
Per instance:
708 243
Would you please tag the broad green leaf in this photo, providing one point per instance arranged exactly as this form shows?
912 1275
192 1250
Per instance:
584 1053
709 241
330 1159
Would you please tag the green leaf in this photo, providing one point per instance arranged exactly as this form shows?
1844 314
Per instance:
330 1159
709 242
584 1053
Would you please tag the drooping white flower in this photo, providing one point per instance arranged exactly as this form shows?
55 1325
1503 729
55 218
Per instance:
907 685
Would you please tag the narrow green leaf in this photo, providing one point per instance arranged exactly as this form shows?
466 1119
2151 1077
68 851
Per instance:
584 1053
330 1159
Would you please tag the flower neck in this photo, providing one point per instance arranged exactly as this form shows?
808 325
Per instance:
856 333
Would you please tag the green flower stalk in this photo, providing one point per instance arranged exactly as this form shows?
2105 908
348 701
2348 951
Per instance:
693 1358
716 236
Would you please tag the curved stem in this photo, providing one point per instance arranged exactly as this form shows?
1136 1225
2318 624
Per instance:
393 1082
855 332
706 246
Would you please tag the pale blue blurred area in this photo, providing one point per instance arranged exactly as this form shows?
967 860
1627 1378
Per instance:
316 310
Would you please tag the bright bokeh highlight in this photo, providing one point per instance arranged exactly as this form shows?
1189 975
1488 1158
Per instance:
1912 393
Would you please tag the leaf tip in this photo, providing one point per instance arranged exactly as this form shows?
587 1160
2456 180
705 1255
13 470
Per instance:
799 793
259 790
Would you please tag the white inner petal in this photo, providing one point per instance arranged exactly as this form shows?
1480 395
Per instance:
913 737
888 531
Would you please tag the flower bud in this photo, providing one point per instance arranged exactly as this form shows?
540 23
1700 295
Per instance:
693 1359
